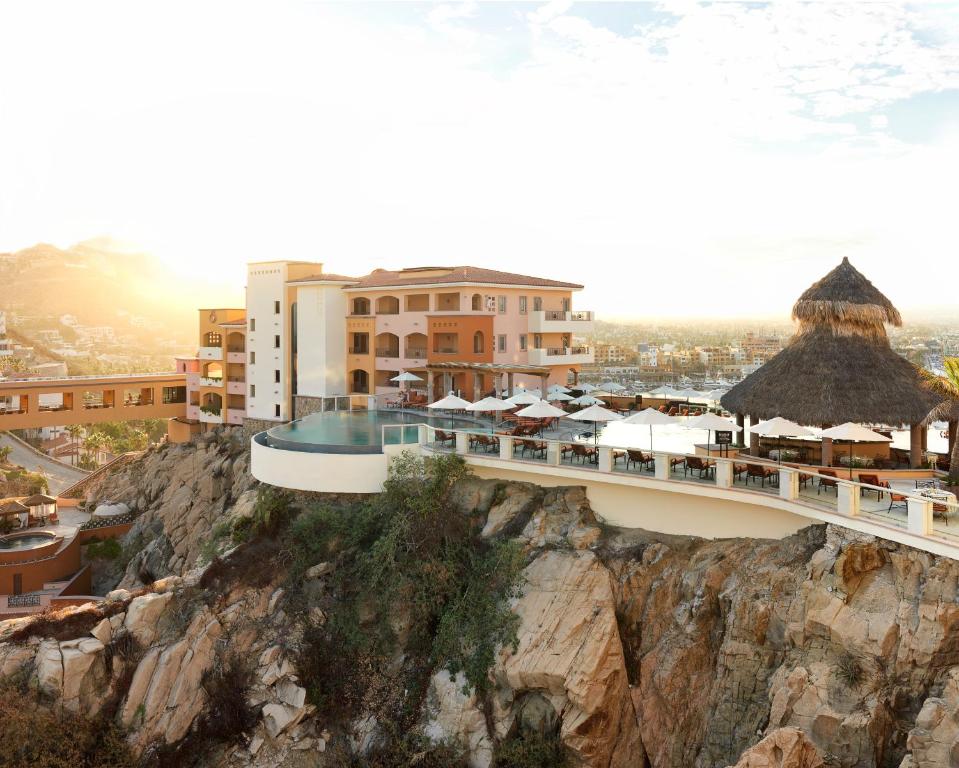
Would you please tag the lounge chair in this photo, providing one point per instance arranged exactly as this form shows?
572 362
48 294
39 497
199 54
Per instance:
676 461
444 437
895 499
739 470
870 480
827 479
762 473
696 464
584 453
534 447
638 457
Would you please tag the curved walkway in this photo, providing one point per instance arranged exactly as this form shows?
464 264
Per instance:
58 474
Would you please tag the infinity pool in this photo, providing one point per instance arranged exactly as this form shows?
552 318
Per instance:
356 431
27 541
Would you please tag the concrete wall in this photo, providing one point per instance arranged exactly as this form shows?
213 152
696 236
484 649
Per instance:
266 284
321 334
36 573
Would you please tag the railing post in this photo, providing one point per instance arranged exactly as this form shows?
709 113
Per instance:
848 501
788 483
553 454
605 459
724 473
920 516
462 442
662 465
506 448
423 436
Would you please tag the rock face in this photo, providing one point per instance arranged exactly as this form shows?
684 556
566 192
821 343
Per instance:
180 491
828 648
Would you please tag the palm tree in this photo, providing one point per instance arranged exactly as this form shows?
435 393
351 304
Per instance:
75 431
948 387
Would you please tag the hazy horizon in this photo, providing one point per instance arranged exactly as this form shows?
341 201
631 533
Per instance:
680 160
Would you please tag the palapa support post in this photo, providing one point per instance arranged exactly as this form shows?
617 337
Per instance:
826 459
915 445
741 423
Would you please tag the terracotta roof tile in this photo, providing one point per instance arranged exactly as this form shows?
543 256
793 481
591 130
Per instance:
325 276
478 275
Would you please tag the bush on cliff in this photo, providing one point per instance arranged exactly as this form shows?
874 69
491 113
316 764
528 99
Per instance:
35 736
411 572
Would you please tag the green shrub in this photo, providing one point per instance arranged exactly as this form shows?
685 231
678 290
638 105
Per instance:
410 749
110 549
407 554
531 750
273 510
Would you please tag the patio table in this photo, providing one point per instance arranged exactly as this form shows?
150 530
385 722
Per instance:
945 498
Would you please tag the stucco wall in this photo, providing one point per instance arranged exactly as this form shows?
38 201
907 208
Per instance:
37 572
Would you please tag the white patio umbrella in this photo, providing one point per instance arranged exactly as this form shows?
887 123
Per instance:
586 400
712 423
586 388
780 427
450 403
490 404
854 433
715 395
595 414
558 397
650 417
523 398
541 410
406 376
558 388
665 390
612 386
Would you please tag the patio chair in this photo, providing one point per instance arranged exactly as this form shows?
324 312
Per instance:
696 464
584 453
827 479
762 473
870 480
534 447
895 499
444 437
617 455
638 457
739 470
676 461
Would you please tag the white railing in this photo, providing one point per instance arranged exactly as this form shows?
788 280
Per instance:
898 506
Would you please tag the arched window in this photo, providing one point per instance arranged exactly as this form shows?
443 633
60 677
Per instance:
477 302
478 343
361 306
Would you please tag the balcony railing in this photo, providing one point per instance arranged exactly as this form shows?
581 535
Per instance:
563 351
446 350
415 354
359 350
387 352
22 601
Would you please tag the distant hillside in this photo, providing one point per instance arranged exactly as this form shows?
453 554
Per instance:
100 283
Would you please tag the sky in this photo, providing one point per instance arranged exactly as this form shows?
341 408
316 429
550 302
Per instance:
679 159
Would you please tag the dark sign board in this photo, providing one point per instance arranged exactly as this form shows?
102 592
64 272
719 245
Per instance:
724 437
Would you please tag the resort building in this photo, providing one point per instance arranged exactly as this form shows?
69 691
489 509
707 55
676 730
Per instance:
307 337
6 345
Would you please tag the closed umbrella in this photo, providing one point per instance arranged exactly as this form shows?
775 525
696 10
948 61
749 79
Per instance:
595 414
711 422
854 433
780 427
450 403
650 417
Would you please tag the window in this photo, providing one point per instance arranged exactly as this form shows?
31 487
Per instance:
276 377
522 342
537 303
252 390
501 304
566 304
276 341
522 305
501 343
252 358
276 410
252 323
212 339
478 343
276 307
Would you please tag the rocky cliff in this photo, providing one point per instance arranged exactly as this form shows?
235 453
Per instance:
633 648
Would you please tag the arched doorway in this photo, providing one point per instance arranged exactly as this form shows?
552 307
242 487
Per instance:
359 381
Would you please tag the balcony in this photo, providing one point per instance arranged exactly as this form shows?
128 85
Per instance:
389 352
235 416
193 380
209 382
211 353
561 356
236 387
193 412
557 321
208 417
236 357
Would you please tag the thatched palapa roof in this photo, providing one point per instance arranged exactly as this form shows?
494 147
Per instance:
839 366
